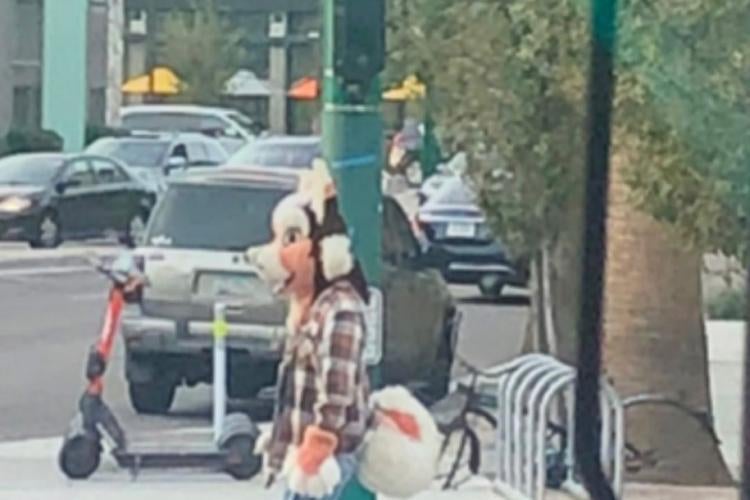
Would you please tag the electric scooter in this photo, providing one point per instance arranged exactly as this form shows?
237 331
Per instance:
234 436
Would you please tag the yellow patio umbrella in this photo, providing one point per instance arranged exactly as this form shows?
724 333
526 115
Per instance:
165 83
411 89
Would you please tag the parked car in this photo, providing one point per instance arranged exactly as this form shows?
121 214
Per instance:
457 240
46 198
287 151
229 126
193 255
155 156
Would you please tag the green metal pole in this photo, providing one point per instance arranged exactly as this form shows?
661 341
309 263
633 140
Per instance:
64 87
352 145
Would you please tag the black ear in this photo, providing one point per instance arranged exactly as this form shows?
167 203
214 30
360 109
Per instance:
333 221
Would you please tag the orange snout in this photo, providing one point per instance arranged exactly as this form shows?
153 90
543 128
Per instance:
403 422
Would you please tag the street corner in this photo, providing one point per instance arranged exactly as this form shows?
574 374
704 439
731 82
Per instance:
19 259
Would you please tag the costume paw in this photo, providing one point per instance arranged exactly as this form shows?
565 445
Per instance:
317 485
262 445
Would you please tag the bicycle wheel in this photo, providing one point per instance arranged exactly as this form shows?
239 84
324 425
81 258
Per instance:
461 457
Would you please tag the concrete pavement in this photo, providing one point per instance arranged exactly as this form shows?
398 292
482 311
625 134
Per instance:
28 471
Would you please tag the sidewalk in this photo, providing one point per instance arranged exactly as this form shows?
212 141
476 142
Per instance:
28 471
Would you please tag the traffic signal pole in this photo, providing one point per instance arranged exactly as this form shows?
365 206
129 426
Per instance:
353 54
353 57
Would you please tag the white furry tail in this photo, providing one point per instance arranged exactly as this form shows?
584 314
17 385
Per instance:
401 450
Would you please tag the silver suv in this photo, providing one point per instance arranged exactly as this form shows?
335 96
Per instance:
193 255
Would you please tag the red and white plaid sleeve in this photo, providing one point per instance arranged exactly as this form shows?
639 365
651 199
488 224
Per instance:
340 352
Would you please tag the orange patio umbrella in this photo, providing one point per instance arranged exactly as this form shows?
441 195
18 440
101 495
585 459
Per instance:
306 89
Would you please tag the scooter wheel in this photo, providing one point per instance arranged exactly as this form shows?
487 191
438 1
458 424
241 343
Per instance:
80 456
242 462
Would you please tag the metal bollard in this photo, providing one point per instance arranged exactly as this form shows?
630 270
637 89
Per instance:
220 331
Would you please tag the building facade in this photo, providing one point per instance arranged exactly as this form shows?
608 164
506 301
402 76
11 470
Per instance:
281 40
21 61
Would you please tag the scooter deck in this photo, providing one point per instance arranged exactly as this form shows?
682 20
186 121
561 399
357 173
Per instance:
151 457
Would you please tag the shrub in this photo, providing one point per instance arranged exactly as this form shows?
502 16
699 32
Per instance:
26 141
94 132
729 304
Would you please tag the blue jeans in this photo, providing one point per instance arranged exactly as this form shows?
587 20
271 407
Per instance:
348 464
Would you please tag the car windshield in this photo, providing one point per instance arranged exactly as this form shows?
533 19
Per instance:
272 154
243 121
181 122
211 217
133 152
34 170
454 192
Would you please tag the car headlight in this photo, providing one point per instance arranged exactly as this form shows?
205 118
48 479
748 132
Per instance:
15 204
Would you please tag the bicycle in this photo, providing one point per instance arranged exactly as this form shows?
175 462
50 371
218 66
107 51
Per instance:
457 414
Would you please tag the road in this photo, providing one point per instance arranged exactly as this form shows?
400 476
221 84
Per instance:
51 306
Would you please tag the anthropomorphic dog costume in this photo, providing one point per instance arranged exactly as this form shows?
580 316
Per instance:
330 439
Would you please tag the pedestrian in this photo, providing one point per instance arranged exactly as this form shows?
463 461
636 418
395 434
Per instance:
321 419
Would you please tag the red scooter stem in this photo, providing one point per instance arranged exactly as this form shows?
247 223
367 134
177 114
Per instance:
109 330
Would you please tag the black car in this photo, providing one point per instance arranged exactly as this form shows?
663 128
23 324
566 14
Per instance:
458 241
48 197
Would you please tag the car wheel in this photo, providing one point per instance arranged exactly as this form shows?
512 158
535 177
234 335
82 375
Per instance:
135 230
48 233
151 398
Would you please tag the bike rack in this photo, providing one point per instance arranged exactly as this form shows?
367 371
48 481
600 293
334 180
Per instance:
529 388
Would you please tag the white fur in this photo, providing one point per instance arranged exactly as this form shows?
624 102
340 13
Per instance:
394 464
336 256
268 264
289 213
315 486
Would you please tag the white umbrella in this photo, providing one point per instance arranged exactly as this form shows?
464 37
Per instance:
244 83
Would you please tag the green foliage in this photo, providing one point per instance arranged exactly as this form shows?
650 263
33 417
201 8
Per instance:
729 304
94 132
508 82
28 141
509 77
202 50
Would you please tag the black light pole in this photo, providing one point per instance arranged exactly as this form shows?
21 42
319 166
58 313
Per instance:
601 87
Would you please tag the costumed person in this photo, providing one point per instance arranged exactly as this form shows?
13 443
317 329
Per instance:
329 439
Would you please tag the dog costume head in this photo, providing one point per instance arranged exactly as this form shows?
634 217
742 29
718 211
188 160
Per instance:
310 248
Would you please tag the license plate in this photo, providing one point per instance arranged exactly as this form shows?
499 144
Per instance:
461 230
237 286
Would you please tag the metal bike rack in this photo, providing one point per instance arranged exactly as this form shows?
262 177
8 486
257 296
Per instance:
529 389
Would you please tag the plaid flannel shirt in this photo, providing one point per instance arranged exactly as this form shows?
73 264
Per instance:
322 376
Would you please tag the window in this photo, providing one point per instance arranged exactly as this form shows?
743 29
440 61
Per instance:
79 171
214 217
107 172
272 154
182 122
28 47
180 151
132 152
216 154
26 107
197 154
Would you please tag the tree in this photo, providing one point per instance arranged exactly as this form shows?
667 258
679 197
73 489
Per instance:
509 77
202 50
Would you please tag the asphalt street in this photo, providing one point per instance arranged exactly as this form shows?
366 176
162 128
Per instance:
50 312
